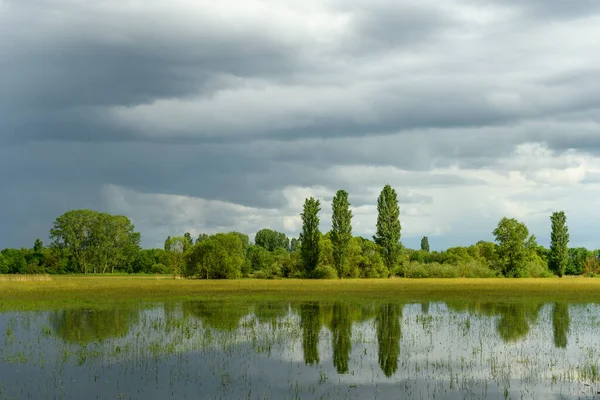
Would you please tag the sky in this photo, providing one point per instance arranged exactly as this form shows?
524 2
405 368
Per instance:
213 116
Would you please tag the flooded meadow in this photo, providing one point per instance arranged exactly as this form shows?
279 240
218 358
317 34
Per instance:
303 350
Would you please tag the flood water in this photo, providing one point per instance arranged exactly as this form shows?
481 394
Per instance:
310 350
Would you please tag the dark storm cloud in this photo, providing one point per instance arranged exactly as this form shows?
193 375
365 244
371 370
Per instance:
233 103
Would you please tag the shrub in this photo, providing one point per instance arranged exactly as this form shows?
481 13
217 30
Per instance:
325 272
260 274
159 269
414 270
437 270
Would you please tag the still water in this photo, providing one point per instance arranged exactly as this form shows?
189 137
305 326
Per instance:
310 350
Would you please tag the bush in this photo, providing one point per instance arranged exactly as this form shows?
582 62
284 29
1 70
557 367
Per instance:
414 270
474 269
159 269
260 274
437 270
325 272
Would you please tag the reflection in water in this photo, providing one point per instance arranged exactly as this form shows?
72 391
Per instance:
341 329
515 318
84 326
311 327
388 336
466 349
267 311
216 315
560 324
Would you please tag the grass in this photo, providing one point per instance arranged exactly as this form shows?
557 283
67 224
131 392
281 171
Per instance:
98 291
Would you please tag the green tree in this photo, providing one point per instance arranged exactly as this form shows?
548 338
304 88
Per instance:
96 241
176 250
310 236
560 324
294 244
577 257
341 230
514 246
271 240
559 244
3 265
73 230
221 256
167 243
425 244
202 237
388 231
188 242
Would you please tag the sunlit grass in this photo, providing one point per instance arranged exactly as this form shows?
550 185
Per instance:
75 291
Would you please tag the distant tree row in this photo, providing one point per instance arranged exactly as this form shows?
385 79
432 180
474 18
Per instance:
86 241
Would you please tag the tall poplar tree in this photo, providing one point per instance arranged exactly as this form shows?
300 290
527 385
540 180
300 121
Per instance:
310 236
341 230
388 226
425 244
559 243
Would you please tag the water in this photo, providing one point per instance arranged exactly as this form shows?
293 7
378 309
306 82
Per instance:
310 350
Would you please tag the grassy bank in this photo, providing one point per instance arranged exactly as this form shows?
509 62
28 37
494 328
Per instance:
105 291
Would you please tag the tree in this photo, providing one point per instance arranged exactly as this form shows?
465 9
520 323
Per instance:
74 230
514 246
559 244
310 236
271 240
425 244
294 244
176 249
115 243
341 230
188 242
387 235
202 237
221 256
3 265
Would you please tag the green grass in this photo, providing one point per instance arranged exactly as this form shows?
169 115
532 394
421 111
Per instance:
99 291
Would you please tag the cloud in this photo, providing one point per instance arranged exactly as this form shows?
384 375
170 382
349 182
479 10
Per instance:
221 116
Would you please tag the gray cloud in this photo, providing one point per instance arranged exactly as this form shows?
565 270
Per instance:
240 110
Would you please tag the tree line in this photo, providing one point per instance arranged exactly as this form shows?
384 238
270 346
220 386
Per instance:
87 241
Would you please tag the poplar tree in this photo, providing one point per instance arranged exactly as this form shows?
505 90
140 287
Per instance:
559 243
388 226
341 230
425 244
310 236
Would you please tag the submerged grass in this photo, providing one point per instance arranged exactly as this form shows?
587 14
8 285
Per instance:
98 291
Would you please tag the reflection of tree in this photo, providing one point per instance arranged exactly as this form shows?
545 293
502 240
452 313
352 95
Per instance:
85 326
270 311
560 324
216 315
425 307
311 326
515 320
387 324
341 329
